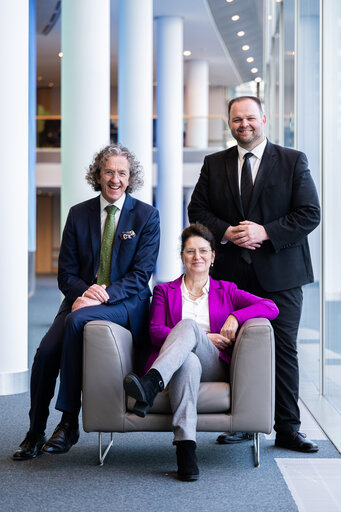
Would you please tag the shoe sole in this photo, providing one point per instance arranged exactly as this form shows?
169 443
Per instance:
140 409
28 458
222 440
133 388
188 478
286 447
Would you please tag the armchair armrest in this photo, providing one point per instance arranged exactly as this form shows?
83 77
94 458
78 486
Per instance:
107 358
252 377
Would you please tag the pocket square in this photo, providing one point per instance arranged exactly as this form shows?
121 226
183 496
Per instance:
126 235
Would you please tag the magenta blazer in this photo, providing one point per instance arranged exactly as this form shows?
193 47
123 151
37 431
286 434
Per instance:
224 298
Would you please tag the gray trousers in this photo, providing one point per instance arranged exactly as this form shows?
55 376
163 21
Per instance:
187 357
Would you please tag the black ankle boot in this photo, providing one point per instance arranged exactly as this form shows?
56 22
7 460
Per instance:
144 390
188 470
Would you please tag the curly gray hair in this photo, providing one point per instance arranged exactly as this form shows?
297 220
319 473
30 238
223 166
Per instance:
100 158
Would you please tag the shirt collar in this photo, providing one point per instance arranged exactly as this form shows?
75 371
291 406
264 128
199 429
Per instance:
257 150
119 203
186 293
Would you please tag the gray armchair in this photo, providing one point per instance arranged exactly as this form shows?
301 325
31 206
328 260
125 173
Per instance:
245 404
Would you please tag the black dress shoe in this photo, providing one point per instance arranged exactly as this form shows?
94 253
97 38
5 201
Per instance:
234 437
296 441
144 390
64 436
30 447
188 470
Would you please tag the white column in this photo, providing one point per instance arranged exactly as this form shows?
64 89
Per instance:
13 195
217 109
135 85
196 103
188 191
170 143
85 93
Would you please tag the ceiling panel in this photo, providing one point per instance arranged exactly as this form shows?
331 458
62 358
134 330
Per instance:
208 33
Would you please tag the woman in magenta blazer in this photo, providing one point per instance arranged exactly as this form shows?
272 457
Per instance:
193 325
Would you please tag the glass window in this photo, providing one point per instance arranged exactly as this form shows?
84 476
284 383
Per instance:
308 140
331 76
303 90
289 73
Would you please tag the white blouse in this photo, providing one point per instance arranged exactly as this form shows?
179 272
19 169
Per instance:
196 309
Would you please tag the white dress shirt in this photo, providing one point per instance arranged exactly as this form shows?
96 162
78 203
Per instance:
196 309
254 160
119 205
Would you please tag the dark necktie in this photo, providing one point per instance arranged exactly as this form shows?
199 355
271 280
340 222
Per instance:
246 184
103 274
246 187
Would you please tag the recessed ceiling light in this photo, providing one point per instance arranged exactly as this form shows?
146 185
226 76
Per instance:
241 33
250 59
235 17
187 53
254 70
246 47
269 17
258 79
229 1
51 84
60 54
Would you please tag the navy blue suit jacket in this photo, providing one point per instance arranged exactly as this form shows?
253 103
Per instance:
132 263
284 201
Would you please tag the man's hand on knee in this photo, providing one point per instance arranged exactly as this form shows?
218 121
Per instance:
84 302
97 292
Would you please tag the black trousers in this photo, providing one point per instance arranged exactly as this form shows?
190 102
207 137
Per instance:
61 349
289 303
44 373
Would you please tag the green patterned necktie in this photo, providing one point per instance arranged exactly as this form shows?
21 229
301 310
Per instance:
103 274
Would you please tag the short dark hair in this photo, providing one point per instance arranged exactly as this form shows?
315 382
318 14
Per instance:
241 98
197 229
100 158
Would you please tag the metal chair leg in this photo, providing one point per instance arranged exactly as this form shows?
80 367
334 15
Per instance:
101 456
256 448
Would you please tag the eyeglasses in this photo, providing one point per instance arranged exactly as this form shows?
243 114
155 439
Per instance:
202 251
110 174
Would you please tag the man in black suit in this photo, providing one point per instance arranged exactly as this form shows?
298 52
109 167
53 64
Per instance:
108 252
261 208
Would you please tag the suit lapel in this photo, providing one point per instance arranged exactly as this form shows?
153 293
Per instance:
95 231
214 300
232 177
175 301
264 171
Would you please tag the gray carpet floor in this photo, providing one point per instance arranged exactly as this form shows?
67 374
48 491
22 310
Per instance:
139 472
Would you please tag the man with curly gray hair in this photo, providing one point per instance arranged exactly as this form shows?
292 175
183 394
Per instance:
135 168
108 252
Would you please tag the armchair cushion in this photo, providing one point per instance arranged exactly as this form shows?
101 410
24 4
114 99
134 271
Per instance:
214 397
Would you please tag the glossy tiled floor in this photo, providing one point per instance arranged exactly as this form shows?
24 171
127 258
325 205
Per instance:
315 484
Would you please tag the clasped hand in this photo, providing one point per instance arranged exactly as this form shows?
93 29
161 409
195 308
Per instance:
227 333
93 296
247 234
